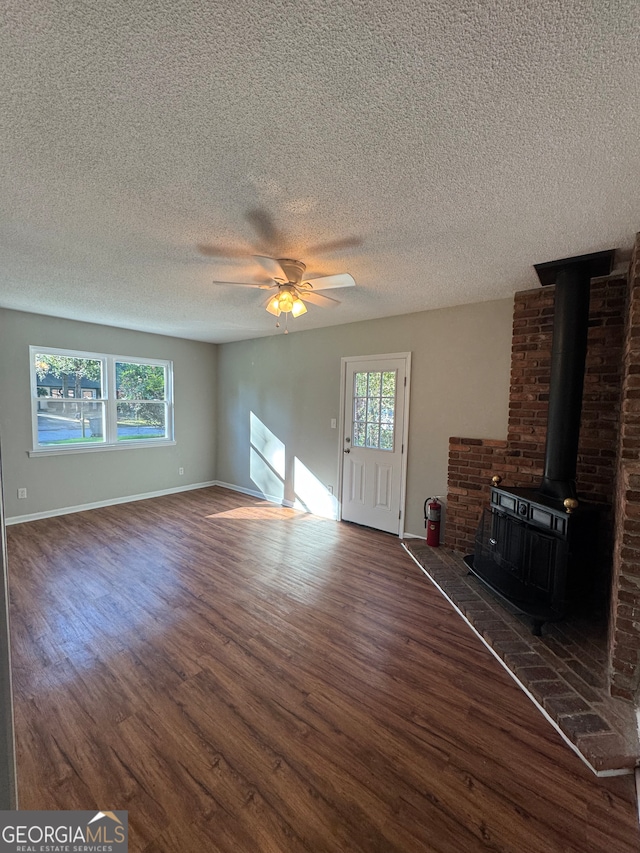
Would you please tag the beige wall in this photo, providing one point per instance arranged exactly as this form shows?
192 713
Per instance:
291 383
55 482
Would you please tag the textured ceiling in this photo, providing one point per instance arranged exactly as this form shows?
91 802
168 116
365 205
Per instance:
456 143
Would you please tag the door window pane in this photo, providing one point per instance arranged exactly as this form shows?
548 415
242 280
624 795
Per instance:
374 409
387 407
389 384
374 384
373 435
361 384
359 435
386 437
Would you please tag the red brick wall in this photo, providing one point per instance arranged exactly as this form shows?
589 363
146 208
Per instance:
625 600
529 391
624 643
519 460
472 463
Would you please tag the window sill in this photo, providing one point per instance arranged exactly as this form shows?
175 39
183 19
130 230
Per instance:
99 448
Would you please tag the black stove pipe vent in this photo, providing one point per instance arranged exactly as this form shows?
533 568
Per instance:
572 277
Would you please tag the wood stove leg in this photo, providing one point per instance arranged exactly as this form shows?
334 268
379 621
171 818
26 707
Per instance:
536 628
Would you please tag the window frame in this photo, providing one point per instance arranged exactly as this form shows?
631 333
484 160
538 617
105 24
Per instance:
109 399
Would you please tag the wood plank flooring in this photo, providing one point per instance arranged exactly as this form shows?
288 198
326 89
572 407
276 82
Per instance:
244 678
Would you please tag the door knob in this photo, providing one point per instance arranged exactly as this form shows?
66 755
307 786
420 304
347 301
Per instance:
348 450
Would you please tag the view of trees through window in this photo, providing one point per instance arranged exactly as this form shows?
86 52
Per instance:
140 389
374 409
74 404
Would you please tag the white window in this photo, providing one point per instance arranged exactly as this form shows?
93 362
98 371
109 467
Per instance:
92 401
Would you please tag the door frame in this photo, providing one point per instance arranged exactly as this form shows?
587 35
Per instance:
344 361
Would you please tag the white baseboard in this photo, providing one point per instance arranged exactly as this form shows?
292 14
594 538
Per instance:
67 510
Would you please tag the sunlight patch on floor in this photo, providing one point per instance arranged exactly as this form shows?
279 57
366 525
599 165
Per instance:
258 513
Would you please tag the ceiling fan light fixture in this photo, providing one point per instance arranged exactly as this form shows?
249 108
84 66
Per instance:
285 300
287 277
273 306
298 308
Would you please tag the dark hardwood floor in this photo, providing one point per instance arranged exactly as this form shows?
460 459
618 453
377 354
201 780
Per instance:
244 678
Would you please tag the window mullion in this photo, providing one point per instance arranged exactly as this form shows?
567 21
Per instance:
111 414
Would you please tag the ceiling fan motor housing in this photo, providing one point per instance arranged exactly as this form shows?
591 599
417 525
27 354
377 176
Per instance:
294 270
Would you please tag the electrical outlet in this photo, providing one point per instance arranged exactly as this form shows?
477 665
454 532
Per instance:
181 471
334 423
22 494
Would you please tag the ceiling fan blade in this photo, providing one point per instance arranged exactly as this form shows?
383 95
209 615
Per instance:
265 228
334 245
272 267
324 282
245 284
213 251
318 299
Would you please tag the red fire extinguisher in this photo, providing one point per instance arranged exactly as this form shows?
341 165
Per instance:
432 512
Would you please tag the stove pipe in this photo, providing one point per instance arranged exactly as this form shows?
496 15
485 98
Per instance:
572 278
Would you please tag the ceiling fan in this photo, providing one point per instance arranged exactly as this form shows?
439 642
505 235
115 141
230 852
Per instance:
290 286
287 275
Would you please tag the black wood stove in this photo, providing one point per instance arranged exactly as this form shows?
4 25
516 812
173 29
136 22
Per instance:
536 548
535 555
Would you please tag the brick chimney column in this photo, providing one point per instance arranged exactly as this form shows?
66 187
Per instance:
624 636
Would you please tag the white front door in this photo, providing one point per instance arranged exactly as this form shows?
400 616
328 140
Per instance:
374 438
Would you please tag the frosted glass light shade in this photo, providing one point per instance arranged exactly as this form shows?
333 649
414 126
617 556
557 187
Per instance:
298 308
285 301
273 307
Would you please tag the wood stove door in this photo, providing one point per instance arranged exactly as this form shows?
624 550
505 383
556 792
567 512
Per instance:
522 562
508 539
541 561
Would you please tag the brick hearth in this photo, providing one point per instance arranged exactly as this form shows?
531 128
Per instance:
564 670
